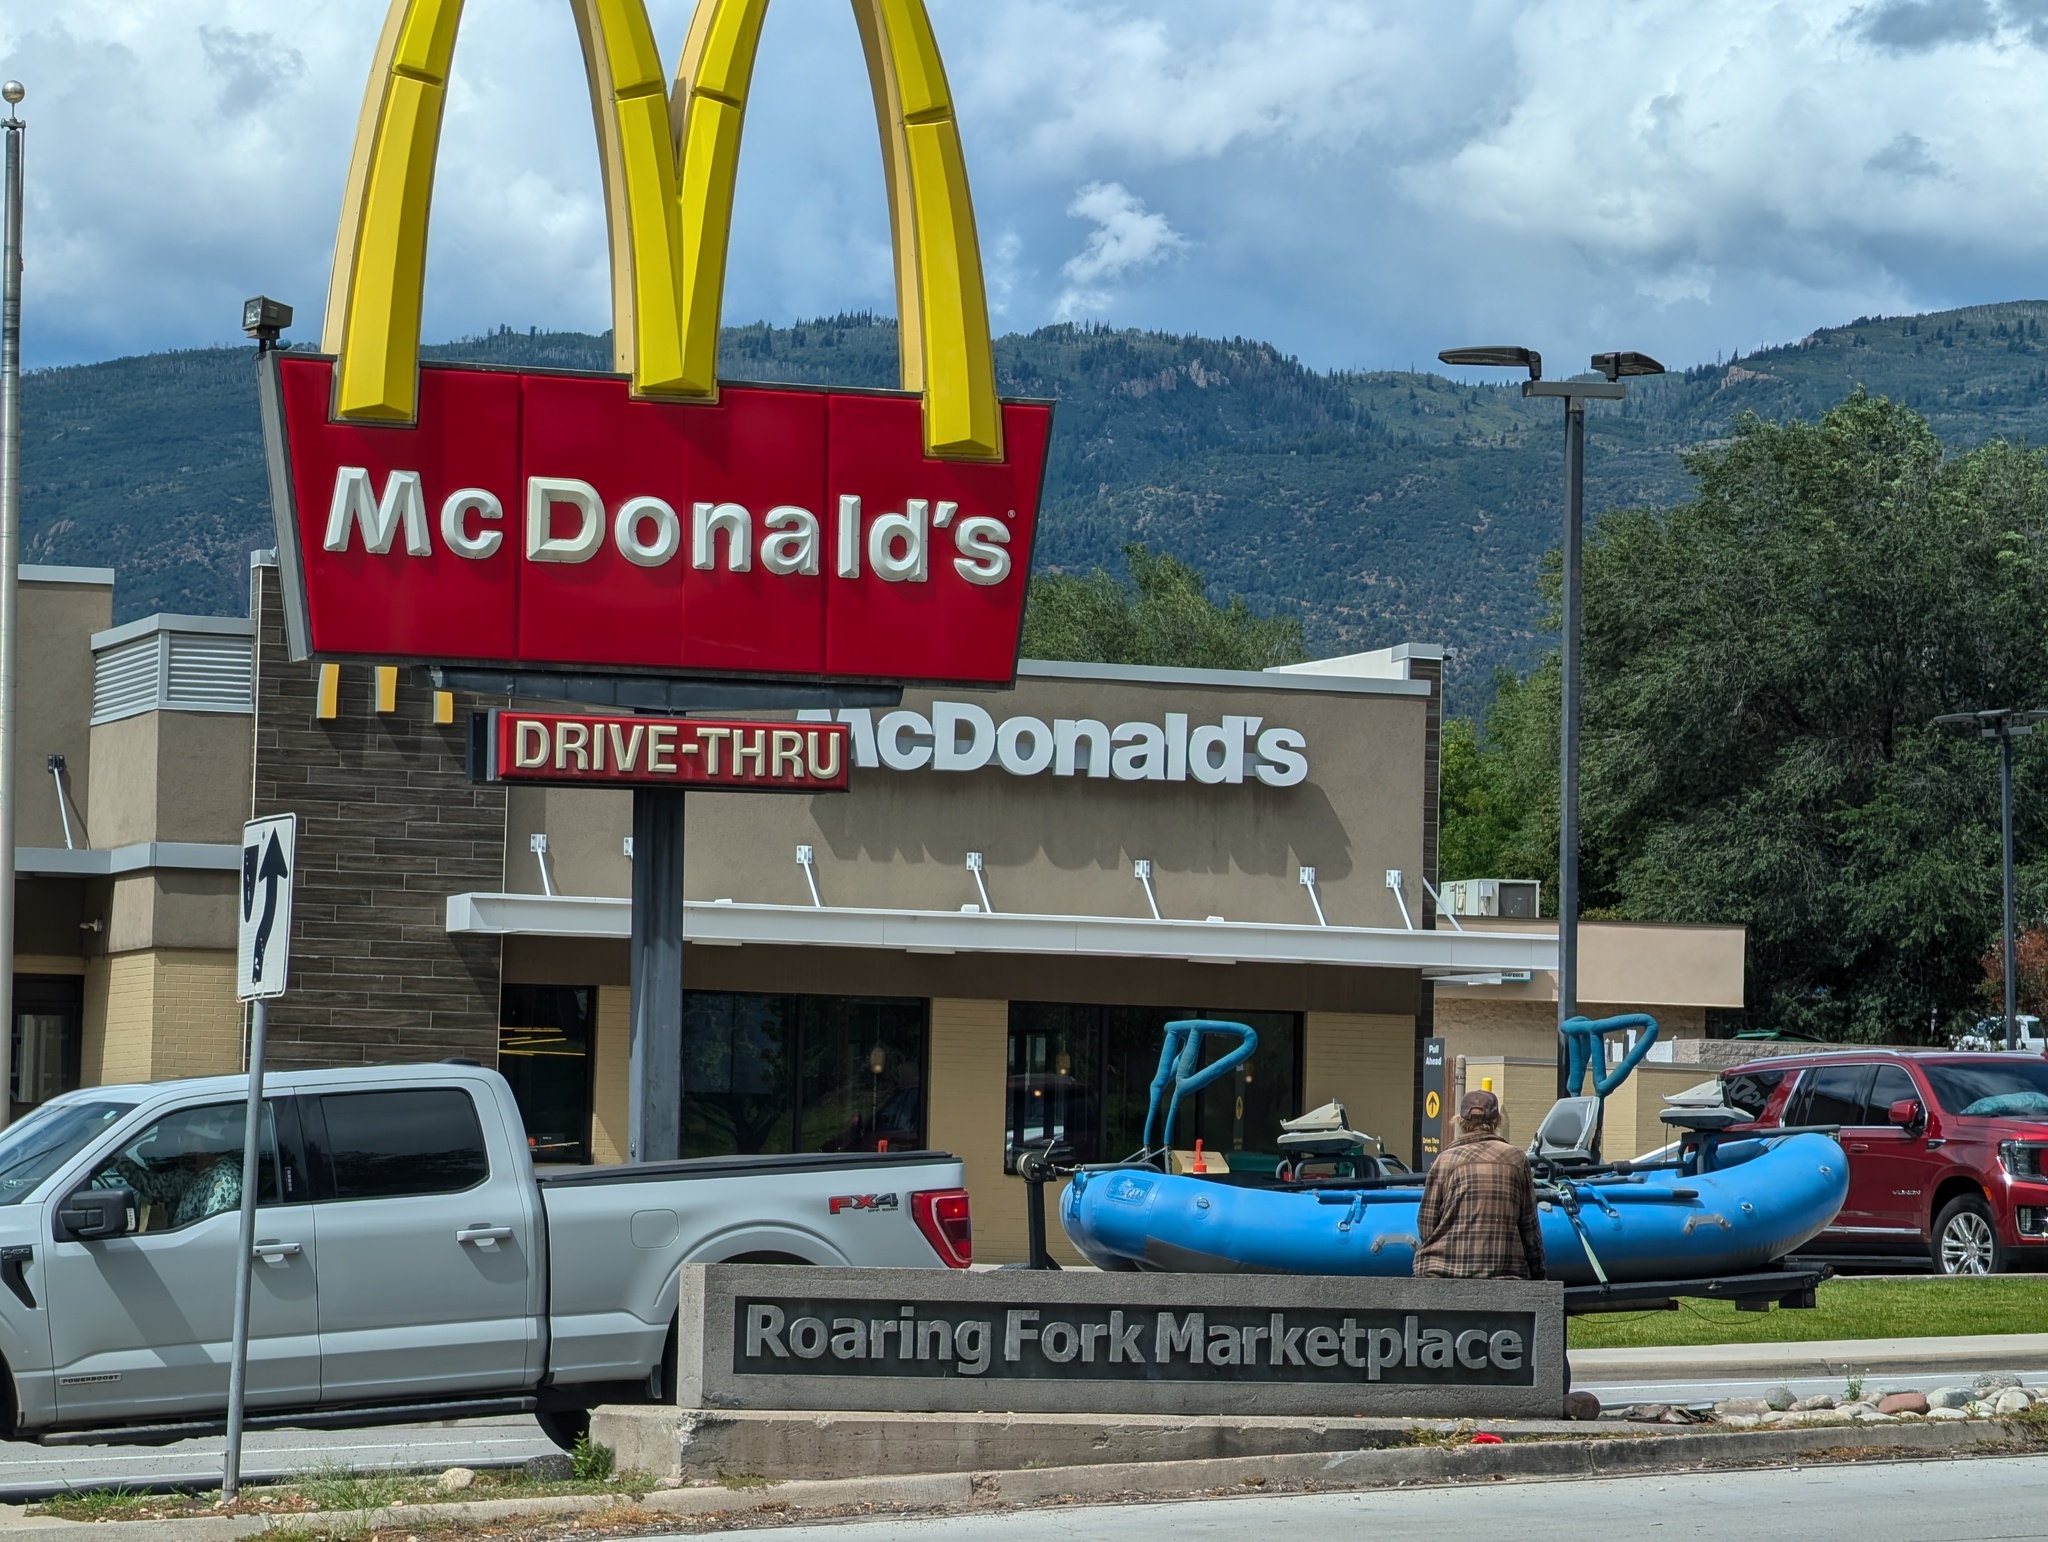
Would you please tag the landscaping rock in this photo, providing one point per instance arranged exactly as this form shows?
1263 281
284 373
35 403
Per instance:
1741 1407
1906 1403
1649 1413
1869 1415
1779 1398
2012 1401
555 1467
1946 1413
1949 1398
1741 1421
455 1479
1581 1405
1994 1381
1813 1404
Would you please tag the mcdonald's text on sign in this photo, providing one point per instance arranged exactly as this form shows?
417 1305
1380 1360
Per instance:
655 520
577 749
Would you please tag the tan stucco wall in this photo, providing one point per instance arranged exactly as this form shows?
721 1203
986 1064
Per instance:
1366 1062
609 1084
160 1013
1658 966
1631 1126
168 909
54 702
1051 844
171 776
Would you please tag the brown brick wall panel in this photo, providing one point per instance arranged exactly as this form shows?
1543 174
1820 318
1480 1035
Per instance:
389 828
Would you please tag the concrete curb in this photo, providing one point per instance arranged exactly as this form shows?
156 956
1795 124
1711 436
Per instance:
1591 1455
1818 1358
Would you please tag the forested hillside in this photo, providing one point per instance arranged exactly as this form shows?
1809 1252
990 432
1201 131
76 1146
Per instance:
1372 507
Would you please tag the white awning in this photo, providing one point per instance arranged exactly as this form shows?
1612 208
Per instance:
732 924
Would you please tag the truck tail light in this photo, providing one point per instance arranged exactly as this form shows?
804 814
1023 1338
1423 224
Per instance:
941 1214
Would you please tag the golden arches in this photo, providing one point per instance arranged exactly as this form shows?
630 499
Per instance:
670 161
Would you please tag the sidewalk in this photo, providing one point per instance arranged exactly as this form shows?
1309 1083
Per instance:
1817 1358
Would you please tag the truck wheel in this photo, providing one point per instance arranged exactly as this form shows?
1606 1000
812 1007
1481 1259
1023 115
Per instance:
564 1426
1965 1241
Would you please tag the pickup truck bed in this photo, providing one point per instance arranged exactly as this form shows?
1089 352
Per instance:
409 1262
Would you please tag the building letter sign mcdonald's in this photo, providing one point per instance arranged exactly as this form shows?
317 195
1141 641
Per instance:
655 520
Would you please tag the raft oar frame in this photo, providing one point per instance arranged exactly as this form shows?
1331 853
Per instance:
1180 1068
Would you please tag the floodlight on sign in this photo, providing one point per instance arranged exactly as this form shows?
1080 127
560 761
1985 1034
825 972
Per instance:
1502 357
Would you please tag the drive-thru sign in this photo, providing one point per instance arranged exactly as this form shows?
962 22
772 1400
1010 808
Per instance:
263 943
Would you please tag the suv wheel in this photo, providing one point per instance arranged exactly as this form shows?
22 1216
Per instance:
1965 1241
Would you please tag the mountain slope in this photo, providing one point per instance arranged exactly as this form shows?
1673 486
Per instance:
1376 506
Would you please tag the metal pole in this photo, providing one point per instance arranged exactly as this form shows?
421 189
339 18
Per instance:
2011 926
654 1109
10 573
1568 735
238 1362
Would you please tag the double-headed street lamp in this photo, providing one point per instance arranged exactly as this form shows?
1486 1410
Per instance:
2005 725
1575 394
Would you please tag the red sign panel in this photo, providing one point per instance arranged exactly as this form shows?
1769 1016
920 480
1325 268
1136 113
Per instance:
552 522
576 749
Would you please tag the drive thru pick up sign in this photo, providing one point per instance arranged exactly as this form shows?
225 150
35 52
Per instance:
263 945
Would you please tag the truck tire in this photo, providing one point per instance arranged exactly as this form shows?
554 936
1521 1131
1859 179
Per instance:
564 1426
1966 1241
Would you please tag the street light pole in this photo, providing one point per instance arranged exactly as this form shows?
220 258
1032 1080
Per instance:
10 574
1574 394
2005 725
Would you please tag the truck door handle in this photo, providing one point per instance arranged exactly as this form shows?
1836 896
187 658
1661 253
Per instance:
275 1253
1860 1146
484 1236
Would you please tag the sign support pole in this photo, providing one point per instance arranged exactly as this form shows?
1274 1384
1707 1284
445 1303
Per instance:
10 565
238 1363
654 1116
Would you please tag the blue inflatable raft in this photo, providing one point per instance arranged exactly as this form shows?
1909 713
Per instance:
1721 1206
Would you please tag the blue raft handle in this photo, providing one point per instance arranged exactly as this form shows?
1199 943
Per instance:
1583 1035
1179 1065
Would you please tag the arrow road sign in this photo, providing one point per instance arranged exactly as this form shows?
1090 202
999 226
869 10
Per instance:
263 948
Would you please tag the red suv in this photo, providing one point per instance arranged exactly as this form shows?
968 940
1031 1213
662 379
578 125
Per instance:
1944 1150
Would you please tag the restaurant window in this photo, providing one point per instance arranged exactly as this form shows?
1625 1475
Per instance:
1083 1074
49 1017
545 1035
774 1073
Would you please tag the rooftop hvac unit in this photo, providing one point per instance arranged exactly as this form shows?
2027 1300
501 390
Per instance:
1517 898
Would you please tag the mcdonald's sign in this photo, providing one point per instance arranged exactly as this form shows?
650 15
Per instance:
655 519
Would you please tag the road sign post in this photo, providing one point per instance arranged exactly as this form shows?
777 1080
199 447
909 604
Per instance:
262 951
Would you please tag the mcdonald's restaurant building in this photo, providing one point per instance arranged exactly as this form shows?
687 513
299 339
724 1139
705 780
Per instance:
980 946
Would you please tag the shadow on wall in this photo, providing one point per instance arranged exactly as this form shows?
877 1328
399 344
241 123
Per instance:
1083 824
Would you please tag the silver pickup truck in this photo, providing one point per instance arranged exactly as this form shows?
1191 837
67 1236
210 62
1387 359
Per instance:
409 1262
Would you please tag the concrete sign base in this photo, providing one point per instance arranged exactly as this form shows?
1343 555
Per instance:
769 1336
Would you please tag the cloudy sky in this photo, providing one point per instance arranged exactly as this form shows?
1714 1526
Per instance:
1360 181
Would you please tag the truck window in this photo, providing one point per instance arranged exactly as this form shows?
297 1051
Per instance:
187 1166
37 1146
1749 1090
418 1140
1991 1086
1832 1094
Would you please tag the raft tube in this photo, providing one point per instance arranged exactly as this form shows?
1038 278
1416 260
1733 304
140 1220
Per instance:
1762 1200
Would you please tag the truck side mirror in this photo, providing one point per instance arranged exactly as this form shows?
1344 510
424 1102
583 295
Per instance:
1907 1114
88 1215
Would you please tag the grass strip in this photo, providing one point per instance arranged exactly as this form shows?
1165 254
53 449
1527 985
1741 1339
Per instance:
1933 1307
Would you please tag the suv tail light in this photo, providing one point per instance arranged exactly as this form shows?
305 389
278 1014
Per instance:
941 1214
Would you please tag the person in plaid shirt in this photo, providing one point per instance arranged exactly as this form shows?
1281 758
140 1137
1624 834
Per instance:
1478 1215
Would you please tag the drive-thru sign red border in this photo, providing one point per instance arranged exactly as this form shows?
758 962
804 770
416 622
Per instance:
551 521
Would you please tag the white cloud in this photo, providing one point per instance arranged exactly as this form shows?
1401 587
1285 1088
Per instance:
1127 235
1362 181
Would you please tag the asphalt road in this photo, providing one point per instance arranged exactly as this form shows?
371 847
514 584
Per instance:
31 1470
1988 1500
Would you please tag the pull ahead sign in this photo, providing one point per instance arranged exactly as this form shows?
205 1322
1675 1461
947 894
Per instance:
653 520
263 942
580 750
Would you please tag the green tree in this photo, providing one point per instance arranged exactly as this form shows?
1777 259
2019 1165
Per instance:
1499 792
1761 667
1163 616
